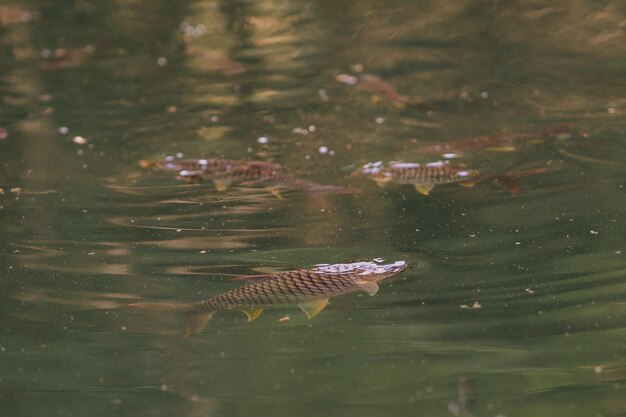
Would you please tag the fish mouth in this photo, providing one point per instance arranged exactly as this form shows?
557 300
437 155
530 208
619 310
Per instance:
392 268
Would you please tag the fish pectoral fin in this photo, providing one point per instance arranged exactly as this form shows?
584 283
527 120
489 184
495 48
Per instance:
468 184
369 287
196 322
275 193
382 181
252 313
221 185
313 308
424 188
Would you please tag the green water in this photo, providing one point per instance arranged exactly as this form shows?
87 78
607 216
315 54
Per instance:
522 295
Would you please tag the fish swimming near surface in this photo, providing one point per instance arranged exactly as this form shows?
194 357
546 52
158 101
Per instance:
503 142
310 289
424 177
226 172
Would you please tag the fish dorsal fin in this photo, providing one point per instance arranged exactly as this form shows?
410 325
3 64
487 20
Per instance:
424 188
252 313
313 308
468 184
221 185
195 322
369 287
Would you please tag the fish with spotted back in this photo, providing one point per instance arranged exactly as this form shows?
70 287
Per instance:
424 177
226 172
309 288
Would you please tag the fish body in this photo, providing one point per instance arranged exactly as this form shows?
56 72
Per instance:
424 177
224 172
309 288
498 142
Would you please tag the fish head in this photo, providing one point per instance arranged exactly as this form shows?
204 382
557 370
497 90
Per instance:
375 171
367 271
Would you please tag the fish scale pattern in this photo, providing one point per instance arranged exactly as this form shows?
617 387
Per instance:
287 287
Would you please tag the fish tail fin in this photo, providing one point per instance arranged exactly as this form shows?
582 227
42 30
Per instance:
195 321
165 307
509 183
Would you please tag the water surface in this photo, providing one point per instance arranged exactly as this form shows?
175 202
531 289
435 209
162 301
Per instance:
523 295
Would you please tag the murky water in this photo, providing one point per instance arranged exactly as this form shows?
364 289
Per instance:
515 290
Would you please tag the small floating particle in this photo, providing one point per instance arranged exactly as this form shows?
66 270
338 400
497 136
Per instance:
484 94
323 150
214 119
323 95
357 68
347 79
529 291
597 369
611 110
380 120
300 131
331 152
79 140
179 155
172 109
162 61
91 253
449 155
593 232
3 133
285 318
15 190
312 128
262 140
163 387
476 305
307 157
64 130
464 306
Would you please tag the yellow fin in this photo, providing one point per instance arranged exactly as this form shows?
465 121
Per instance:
382 181
502 148
313 308
424 188
369 287
221 185
468 184
195 322
252 313
275 193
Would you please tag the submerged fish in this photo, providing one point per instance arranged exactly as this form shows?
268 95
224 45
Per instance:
465 395
504 142
378 86
224 172
309 288
423 177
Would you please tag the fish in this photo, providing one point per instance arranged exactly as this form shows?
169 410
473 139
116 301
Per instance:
309 288
465 394
225 172
503 142
424 177
374 84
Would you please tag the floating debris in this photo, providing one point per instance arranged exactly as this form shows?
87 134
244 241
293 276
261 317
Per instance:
79 140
